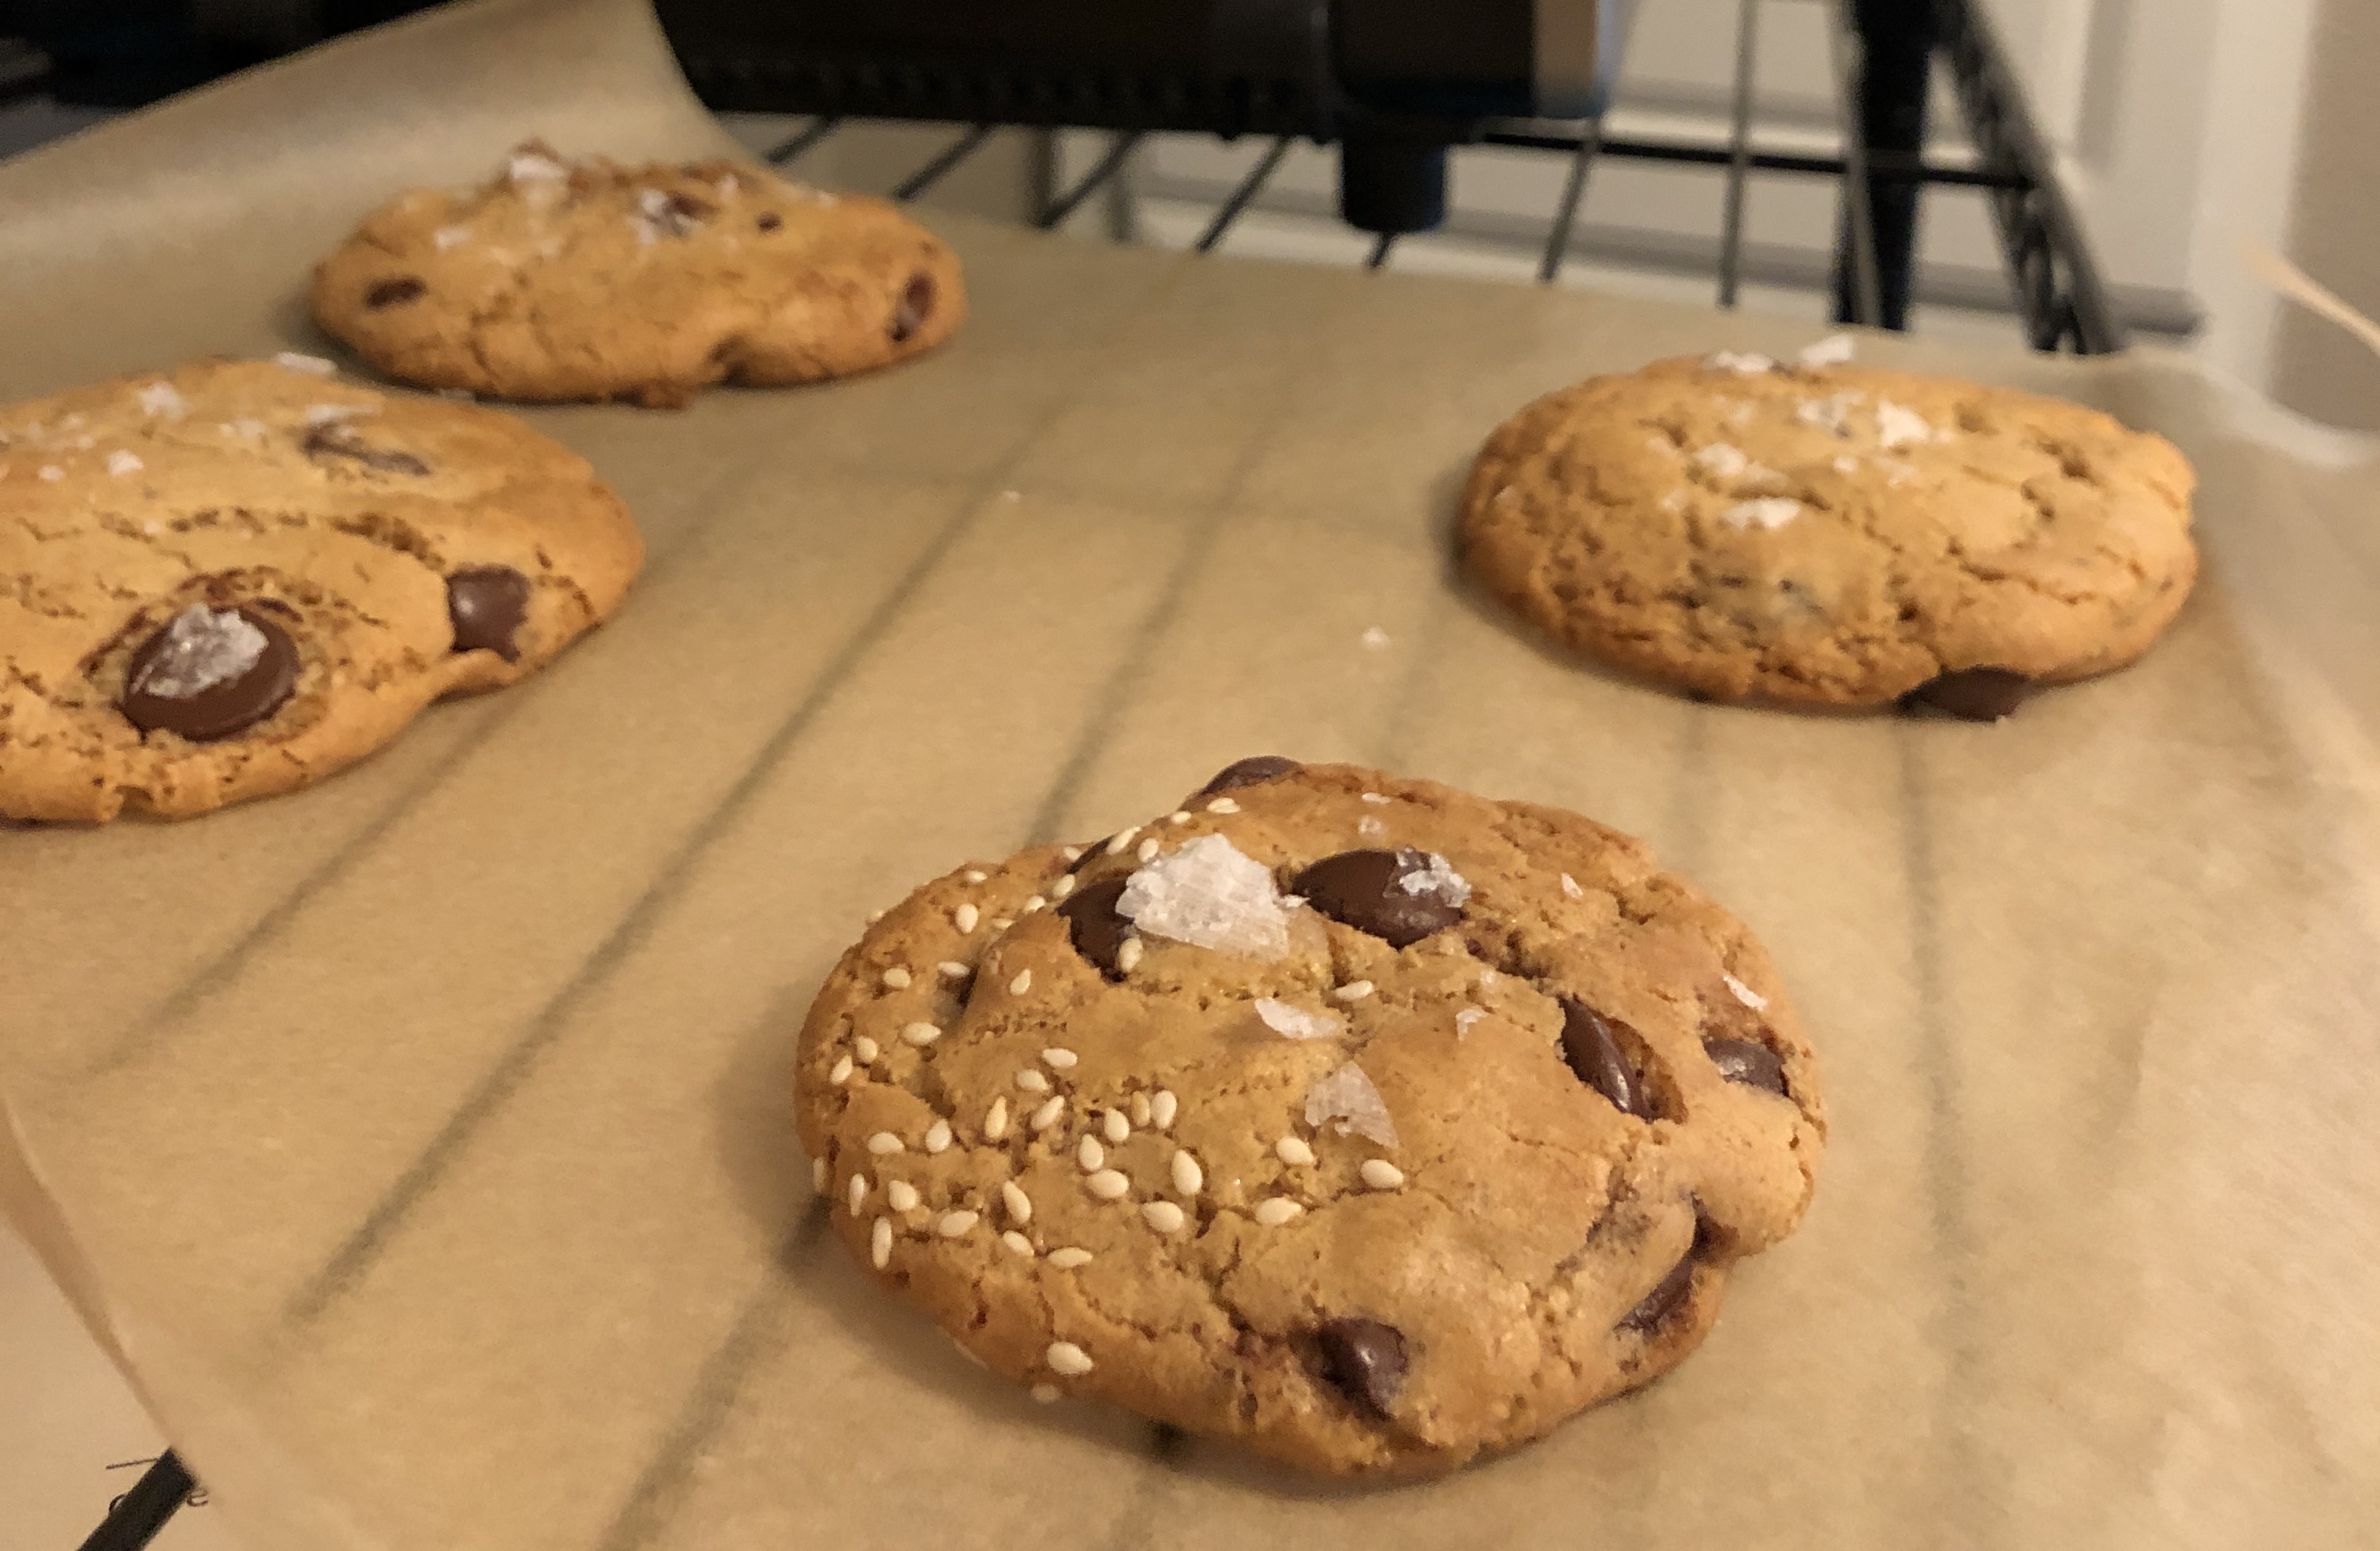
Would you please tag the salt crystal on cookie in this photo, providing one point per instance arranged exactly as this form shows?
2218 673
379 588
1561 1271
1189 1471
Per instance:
1209 895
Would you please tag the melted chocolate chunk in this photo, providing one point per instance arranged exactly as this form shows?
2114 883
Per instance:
1363 890
395 291
338 441
768 221
1594 1053
1972 693
1092 922
1248 772
1747 1061
486 605
216 710
1364 1360
916 306
1668 1294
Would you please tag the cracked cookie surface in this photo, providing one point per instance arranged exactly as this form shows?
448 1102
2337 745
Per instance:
232 579
1362 1120
588 280
1831 535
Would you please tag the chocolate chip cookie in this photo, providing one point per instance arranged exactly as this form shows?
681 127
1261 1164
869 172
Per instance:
587 280
1362 1120
232 579
1827 535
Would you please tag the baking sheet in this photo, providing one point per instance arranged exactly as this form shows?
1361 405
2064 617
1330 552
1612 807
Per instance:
422 1144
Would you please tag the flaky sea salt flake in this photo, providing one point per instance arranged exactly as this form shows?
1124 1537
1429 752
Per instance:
1836 349
202 647
313 366
1898 426
120 463
1208 894
1744 363
1438 881
1297 1023
1347 1101
1771 513
1465 1019
161 398
1745 994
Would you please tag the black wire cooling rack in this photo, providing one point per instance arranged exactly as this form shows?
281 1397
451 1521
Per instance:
1884 53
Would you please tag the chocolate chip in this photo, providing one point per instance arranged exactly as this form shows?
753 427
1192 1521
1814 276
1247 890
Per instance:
1747 1061
1668 1294
1364 1360
916 306
1092 922
1248 772
338 441
486 605
160 696
1972 693
769 220
394 291
1363 890
1594 1053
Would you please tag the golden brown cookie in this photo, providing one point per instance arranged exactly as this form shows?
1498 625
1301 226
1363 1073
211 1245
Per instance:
1362 1120
587 280
232 579
1832 535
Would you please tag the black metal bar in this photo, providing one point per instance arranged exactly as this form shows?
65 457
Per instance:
934 172
136 1516
1739 166
1247 190
1566 215
2057 281
794 149
1881 167
1380 252
1118 149
1859 283
1896 40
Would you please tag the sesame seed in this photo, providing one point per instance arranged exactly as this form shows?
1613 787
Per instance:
938 1136
1072 853
1140 1109
1019 1205
965 917
1022 984
1091 1156
1128 955
1116 1127
1187 1175
975 875
1060 1057
1380 1174
1222 805
1294 1151
951 969
857 1193
1465 1019
1065 886
896 978
995 1119
1032 1080
1147 851
1570 887
1001 923
1163 1216
921 1034
865 1050
1068 1360
1046 1393
955 1224
1275 1210
1017 1243
1110 1185
1353 991
842 1072
884 1143
1161 1109
1181 817
900 1195
1122 838
1033 904
1050 1112
879 1244
818 1175
1375 797
1068 1258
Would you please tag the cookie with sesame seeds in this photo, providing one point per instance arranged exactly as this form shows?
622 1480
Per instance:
585 279
232 579
1369 1124
1826 535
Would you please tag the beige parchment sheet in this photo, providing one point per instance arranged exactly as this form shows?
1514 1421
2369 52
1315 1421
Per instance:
420 1141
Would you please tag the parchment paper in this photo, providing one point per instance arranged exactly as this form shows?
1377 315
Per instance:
421 1141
